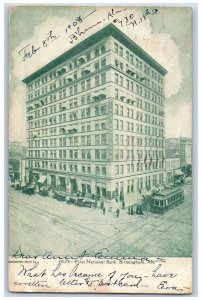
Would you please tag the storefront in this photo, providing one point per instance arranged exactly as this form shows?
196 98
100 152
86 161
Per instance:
86 188
101 189
62 183
74 186
53 181
42 180
178 175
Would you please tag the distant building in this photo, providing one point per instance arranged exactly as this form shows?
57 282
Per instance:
181 145
172 166
17 161
185 152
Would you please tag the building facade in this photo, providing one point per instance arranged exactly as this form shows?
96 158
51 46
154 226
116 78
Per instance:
17 161
95 118
181 145
185 152
172 167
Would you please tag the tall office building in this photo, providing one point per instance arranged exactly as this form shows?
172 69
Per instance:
95 118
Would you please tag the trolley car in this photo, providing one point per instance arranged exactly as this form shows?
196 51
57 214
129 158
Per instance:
166 199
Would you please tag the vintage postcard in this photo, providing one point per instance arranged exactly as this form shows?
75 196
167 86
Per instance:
100 149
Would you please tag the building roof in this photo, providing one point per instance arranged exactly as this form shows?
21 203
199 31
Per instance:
172 153
185 140
109 30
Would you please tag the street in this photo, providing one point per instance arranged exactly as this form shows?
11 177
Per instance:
39 224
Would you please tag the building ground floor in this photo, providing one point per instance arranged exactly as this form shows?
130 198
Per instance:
17 169
173 175
103 187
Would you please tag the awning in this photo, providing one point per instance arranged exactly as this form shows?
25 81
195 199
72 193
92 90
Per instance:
179 172
96 94
37 104
42 179
82 58
59 70
64 69
122 97
69 78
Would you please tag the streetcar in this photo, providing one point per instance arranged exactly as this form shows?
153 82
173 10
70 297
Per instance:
166 199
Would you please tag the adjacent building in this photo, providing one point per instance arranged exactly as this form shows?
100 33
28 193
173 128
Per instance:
96 118
183 146
185 152
172 166
17 161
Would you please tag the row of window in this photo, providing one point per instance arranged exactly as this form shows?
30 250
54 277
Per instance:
91 140
141 183
148 156
40 110
129 84
120 95
130 127
99 170
137 62
139 167
98 80
99 110
80 60
84 127
73 89
88 112
69 66
131 113
131 154
120 139
59 166
172 165
73 141
86 99
118 125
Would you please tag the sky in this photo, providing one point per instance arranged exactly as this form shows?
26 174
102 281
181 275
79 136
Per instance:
166 36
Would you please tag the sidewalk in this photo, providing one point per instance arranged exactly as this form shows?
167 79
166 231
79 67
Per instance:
188 179
131 199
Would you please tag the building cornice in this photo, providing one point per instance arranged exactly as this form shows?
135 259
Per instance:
107 31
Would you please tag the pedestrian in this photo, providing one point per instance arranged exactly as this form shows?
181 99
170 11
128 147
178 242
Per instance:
103 210
117 212
117 199
123 204
102 204
95 203
140 211
137 210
